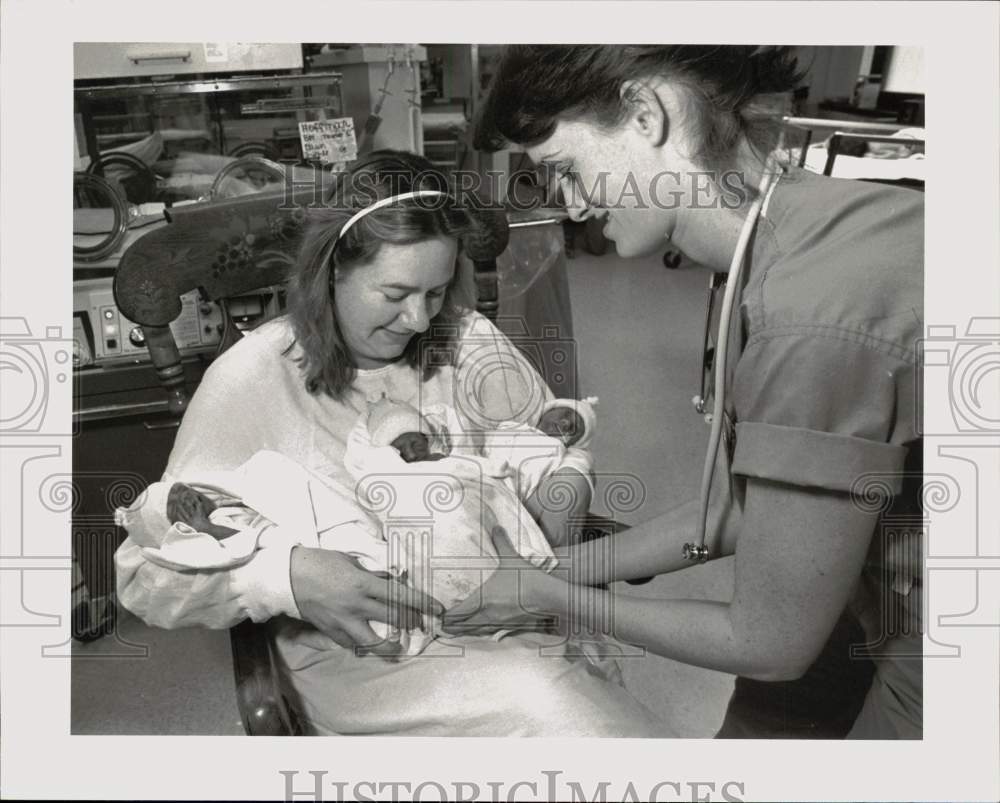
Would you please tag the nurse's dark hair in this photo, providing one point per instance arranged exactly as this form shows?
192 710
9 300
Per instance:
325 361
536 86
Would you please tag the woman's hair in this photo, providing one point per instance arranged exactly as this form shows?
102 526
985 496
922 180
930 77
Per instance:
326 363
536 86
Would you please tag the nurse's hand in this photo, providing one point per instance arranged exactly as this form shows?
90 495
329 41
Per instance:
339 597
516 597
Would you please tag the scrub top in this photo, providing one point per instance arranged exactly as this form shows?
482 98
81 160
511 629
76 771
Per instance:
824 395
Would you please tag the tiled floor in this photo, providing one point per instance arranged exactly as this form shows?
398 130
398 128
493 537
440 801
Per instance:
638 328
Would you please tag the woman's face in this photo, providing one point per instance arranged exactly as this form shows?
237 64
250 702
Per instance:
634 176
381 305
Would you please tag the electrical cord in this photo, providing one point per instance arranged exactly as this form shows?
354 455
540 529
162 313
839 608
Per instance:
131 227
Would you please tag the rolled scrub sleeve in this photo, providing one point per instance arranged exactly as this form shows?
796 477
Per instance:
823 407
832 409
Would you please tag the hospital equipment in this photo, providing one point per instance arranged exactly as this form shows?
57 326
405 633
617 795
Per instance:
829 157
165 141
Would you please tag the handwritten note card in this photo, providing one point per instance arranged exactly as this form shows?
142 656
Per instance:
329 141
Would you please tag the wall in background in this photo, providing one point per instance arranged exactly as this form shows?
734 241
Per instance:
905 71
832 72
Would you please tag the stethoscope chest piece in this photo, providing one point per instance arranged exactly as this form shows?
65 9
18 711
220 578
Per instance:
695 552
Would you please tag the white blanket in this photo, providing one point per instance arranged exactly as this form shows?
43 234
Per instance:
438 515
267 499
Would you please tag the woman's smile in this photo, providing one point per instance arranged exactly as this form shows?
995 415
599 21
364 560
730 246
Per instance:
403 284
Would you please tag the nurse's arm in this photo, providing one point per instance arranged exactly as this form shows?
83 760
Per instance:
798 556
655 546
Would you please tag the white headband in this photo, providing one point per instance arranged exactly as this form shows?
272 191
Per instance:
386 202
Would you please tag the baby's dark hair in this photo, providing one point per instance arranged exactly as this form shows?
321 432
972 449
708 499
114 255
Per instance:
536 86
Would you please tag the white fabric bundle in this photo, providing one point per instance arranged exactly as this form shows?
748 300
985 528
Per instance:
439 515
269 499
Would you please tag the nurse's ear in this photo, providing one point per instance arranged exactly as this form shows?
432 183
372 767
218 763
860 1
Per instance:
652 107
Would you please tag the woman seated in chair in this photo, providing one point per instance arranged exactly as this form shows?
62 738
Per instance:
373 311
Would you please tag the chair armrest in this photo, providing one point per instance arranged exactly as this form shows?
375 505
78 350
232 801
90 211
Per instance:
263 709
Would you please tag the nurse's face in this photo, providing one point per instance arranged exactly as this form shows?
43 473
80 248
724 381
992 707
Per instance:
381 305
634 177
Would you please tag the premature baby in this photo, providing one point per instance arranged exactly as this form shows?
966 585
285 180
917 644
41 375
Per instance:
220 519
525 457
560 421
558 441
438 497
188 506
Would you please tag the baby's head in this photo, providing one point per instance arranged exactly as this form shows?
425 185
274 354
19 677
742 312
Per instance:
562 423
185 504
413 447
401 426
146 519
569 421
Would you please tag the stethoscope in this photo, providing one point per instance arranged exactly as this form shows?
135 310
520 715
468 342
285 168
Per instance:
697 550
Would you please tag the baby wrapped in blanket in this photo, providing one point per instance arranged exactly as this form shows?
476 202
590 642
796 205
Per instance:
523 456
218 520
439 498
560 439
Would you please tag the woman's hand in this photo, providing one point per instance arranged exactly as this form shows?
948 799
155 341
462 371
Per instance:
516 597
339 597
